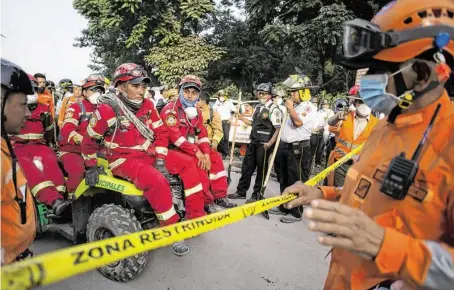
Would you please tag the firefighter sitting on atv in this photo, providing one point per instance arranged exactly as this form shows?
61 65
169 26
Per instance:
188 134
38 161
137 141
74 127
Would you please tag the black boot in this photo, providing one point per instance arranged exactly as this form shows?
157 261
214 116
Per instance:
59 206
210 208
224 202
236 195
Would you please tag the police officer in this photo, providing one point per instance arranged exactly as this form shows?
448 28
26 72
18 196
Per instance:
278 94
265 123
295 154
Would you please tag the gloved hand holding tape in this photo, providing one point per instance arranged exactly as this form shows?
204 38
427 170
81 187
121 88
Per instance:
59 265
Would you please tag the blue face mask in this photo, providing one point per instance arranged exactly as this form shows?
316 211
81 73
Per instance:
184 102
372 89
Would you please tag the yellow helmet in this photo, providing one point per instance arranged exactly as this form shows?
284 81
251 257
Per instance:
300 83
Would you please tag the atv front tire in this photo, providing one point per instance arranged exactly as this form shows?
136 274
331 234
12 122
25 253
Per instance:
112 220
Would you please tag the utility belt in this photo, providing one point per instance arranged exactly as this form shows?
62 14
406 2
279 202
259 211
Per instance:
25 254
296 147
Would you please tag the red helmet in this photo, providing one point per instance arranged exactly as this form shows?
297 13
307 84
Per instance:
353 90
130 72
94 81
190 81
32 79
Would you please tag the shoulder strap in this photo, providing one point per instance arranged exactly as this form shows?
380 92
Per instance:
83 111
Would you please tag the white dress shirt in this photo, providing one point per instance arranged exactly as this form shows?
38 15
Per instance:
307 113
224 109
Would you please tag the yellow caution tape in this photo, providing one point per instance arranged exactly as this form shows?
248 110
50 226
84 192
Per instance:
59 265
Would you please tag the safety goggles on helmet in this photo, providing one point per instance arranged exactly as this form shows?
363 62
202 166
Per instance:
94 80
132 73
363 39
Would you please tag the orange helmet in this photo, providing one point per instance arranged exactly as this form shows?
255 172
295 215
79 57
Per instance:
400 31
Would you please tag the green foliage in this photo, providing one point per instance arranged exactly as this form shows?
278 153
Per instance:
208 38
331 97
191 55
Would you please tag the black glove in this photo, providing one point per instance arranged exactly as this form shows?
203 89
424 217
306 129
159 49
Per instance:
160 165
92 175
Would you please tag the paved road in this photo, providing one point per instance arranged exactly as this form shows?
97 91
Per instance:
251 254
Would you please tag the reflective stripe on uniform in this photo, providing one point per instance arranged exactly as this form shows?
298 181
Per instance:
41 186
203 140
30 136
111 121
157 124
93 134
195 189
116 163
340 151
440 274
167 214
50 127
71 120
218 175
74 134
89 156
62 153
162 150
179 141
143 147
217 138
263 132
61 188
347 144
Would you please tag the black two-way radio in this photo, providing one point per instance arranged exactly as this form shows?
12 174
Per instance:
402 171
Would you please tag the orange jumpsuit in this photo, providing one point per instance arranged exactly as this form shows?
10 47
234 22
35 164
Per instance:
67 102
47 99
418 246
346 142
16 237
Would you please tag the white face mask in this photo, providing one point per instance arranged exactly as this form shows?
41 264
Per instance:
277 101
94 98
191 112
363 111
263 101
352 108
31 99
222 99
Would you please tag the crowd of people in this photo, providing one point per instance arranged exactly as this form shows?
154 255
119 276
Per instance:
388 213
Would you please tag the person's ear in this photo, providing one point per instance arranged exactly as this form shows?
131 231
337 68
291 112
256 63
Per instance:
423 74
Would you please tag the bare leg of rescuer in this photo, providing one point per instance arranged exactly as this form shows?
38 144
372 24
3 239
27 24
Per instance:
156 190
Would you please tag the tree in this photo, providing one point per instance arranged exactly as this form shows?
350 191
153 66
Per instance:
132 30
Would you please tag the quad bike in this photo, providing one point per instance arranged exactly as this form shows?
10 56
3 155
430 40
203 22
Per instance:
113 207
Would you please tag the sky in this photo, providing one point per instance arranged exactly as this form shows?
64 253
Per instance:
40 36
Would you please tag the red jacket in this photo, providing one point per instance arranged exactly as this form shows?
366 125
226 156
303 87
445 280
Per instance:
183 131
33 132
122 138
75 124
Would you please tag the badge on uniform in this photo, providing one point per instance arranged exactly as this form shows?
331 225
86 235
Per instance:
171 120
265 115
93 120
69 115
191 139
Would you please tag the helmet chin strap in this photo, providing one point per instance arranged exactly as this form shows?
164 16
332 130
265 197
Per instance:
401 88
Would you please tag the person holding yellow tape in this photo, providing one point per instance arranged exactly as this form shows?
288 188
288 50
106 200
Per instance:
393 227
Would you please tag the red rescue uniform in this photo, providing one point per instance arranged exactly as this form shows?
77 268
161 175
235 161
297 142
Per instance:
72 131
131 156
38 161
183 134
